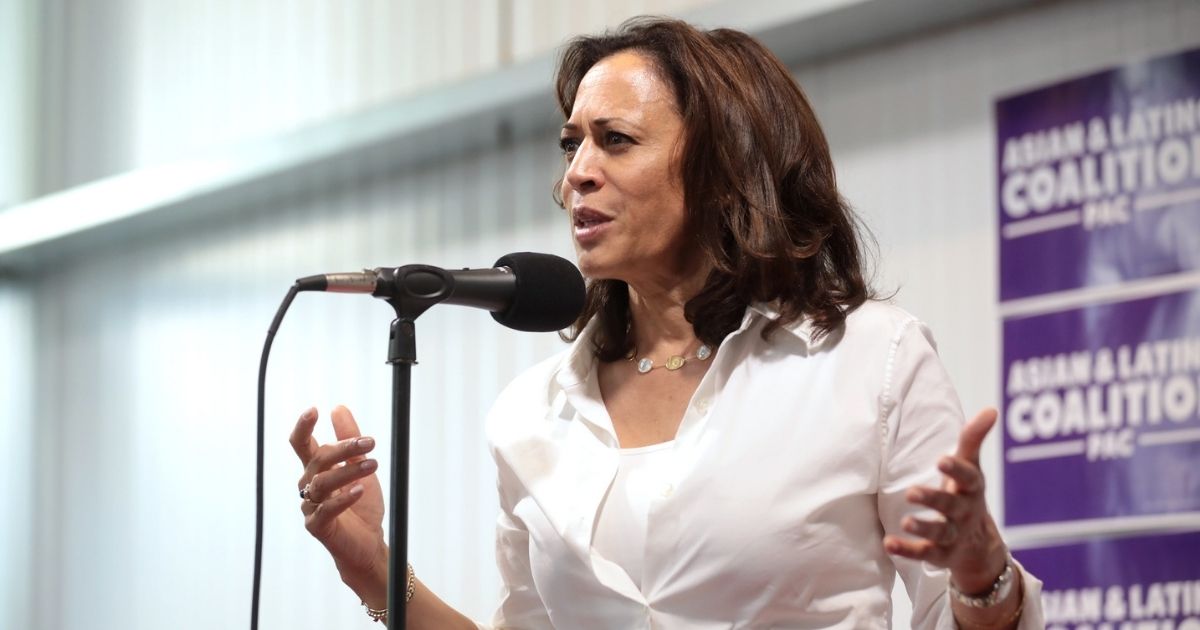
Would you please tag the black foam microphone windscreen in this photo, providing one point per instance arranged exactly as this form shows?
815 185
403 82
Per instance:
549 294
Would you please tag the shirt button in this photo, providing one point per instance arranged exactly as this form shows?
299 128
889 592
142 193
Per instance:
702 405
667 489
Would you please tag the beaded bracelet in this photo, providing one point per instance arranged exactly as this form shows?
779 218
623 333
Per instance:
999 590
1000 625
380 614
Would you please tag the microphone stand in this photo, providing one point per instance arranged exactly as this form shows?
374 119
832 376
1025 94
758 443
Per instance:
413 290
402 355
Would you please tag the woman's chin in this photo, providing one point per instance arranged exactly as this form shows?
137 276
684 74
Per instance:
596 267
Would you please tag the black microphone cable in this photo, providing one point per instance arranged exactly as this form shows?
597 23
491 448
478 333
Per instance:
258 470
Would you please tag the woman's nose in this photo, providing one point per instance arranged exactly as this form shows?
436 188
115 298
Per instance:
584 173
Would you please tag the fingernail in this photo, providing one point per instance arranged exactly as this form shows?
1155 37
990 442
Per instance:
309 414
945 465
916 495
356 490
364 442
369 464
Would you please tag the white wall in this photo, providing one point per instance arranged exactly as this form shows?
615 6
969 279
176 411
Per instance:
135 82
17 37
129 83
16 336
17 462
146 355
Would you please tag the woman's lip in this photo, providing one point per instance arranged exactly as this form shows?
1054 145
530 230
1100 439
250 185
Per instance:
584 214
589 225
589 232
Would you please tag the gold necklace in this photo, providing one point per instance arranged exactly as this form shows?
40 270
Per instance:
674 362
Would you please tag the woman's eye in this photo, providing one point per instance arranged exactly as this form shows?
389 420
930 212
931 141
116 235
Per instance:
568 145
614 137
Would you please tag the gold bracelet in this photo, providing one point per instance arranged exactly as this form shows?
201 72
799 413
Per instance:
1013 618
996 594
1003 624
412 585
376 614
380 614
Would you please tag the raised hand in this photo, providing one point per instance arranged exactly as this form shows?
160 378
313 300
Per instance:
342 502
964 539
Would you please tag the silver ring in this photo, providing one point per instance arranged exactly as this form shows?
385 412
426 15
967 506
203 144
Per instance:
306 493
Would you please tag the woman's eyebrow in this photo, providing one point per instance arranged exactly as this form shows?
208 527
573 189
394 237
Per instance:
603 122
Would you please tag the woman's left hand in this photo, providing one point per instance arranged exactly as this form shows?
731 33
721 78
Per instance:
965 539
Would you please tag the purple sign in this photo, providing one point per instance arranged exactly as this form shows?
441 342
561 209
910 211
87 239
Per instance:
1151 582
1099 178
1101 414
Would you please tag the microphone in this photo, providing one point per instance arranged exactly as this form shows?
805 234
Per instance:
524 291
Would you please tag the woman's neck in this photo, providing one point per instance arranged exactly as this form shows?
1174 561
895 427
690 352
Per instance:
657 312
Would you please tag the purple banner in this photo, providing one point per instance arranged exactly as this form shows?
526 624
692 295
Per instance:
1100 414
1099 178
1150 583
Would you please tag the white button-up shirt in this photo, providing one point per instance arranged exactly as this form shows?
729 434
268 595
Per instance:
789 466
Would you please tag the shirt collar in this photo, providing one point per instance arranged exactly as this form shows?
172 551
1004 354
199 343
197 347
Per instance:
579 360
802 328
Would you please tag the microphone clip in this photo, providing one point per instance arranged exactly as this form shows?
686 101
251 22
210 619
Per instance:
411 290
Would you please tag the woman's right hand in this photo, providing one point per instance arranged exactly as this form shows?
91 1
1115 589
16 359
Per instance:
343 502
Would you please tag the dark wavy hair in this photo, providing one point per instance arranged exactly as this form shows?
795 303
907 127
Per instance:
759 186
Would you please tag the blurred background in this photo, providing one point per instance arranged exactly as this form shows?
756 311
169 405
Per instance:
167 169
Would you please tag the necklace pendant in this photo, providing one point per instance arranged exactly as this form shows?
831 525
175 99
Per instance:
675 362
644 365
703 352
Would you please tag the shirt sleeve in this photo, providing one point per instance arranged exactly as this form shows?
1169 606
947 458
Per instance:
921 418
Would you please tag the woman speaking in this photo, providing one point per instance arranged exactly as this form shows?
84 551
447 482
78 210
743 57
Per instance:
739 435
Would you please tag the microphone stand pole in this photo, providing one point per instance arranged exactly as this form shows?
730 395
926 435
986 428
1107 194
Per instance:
411 290
402 355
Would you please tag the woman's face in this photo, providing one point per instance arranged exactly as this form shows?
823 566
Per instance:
622 185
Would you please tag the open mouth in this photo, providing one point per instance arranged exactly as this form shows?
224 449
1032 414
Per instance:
586 217
589 225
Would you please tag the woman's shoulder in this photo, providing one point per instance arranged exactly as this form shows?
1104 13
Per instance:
879 323
527 399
